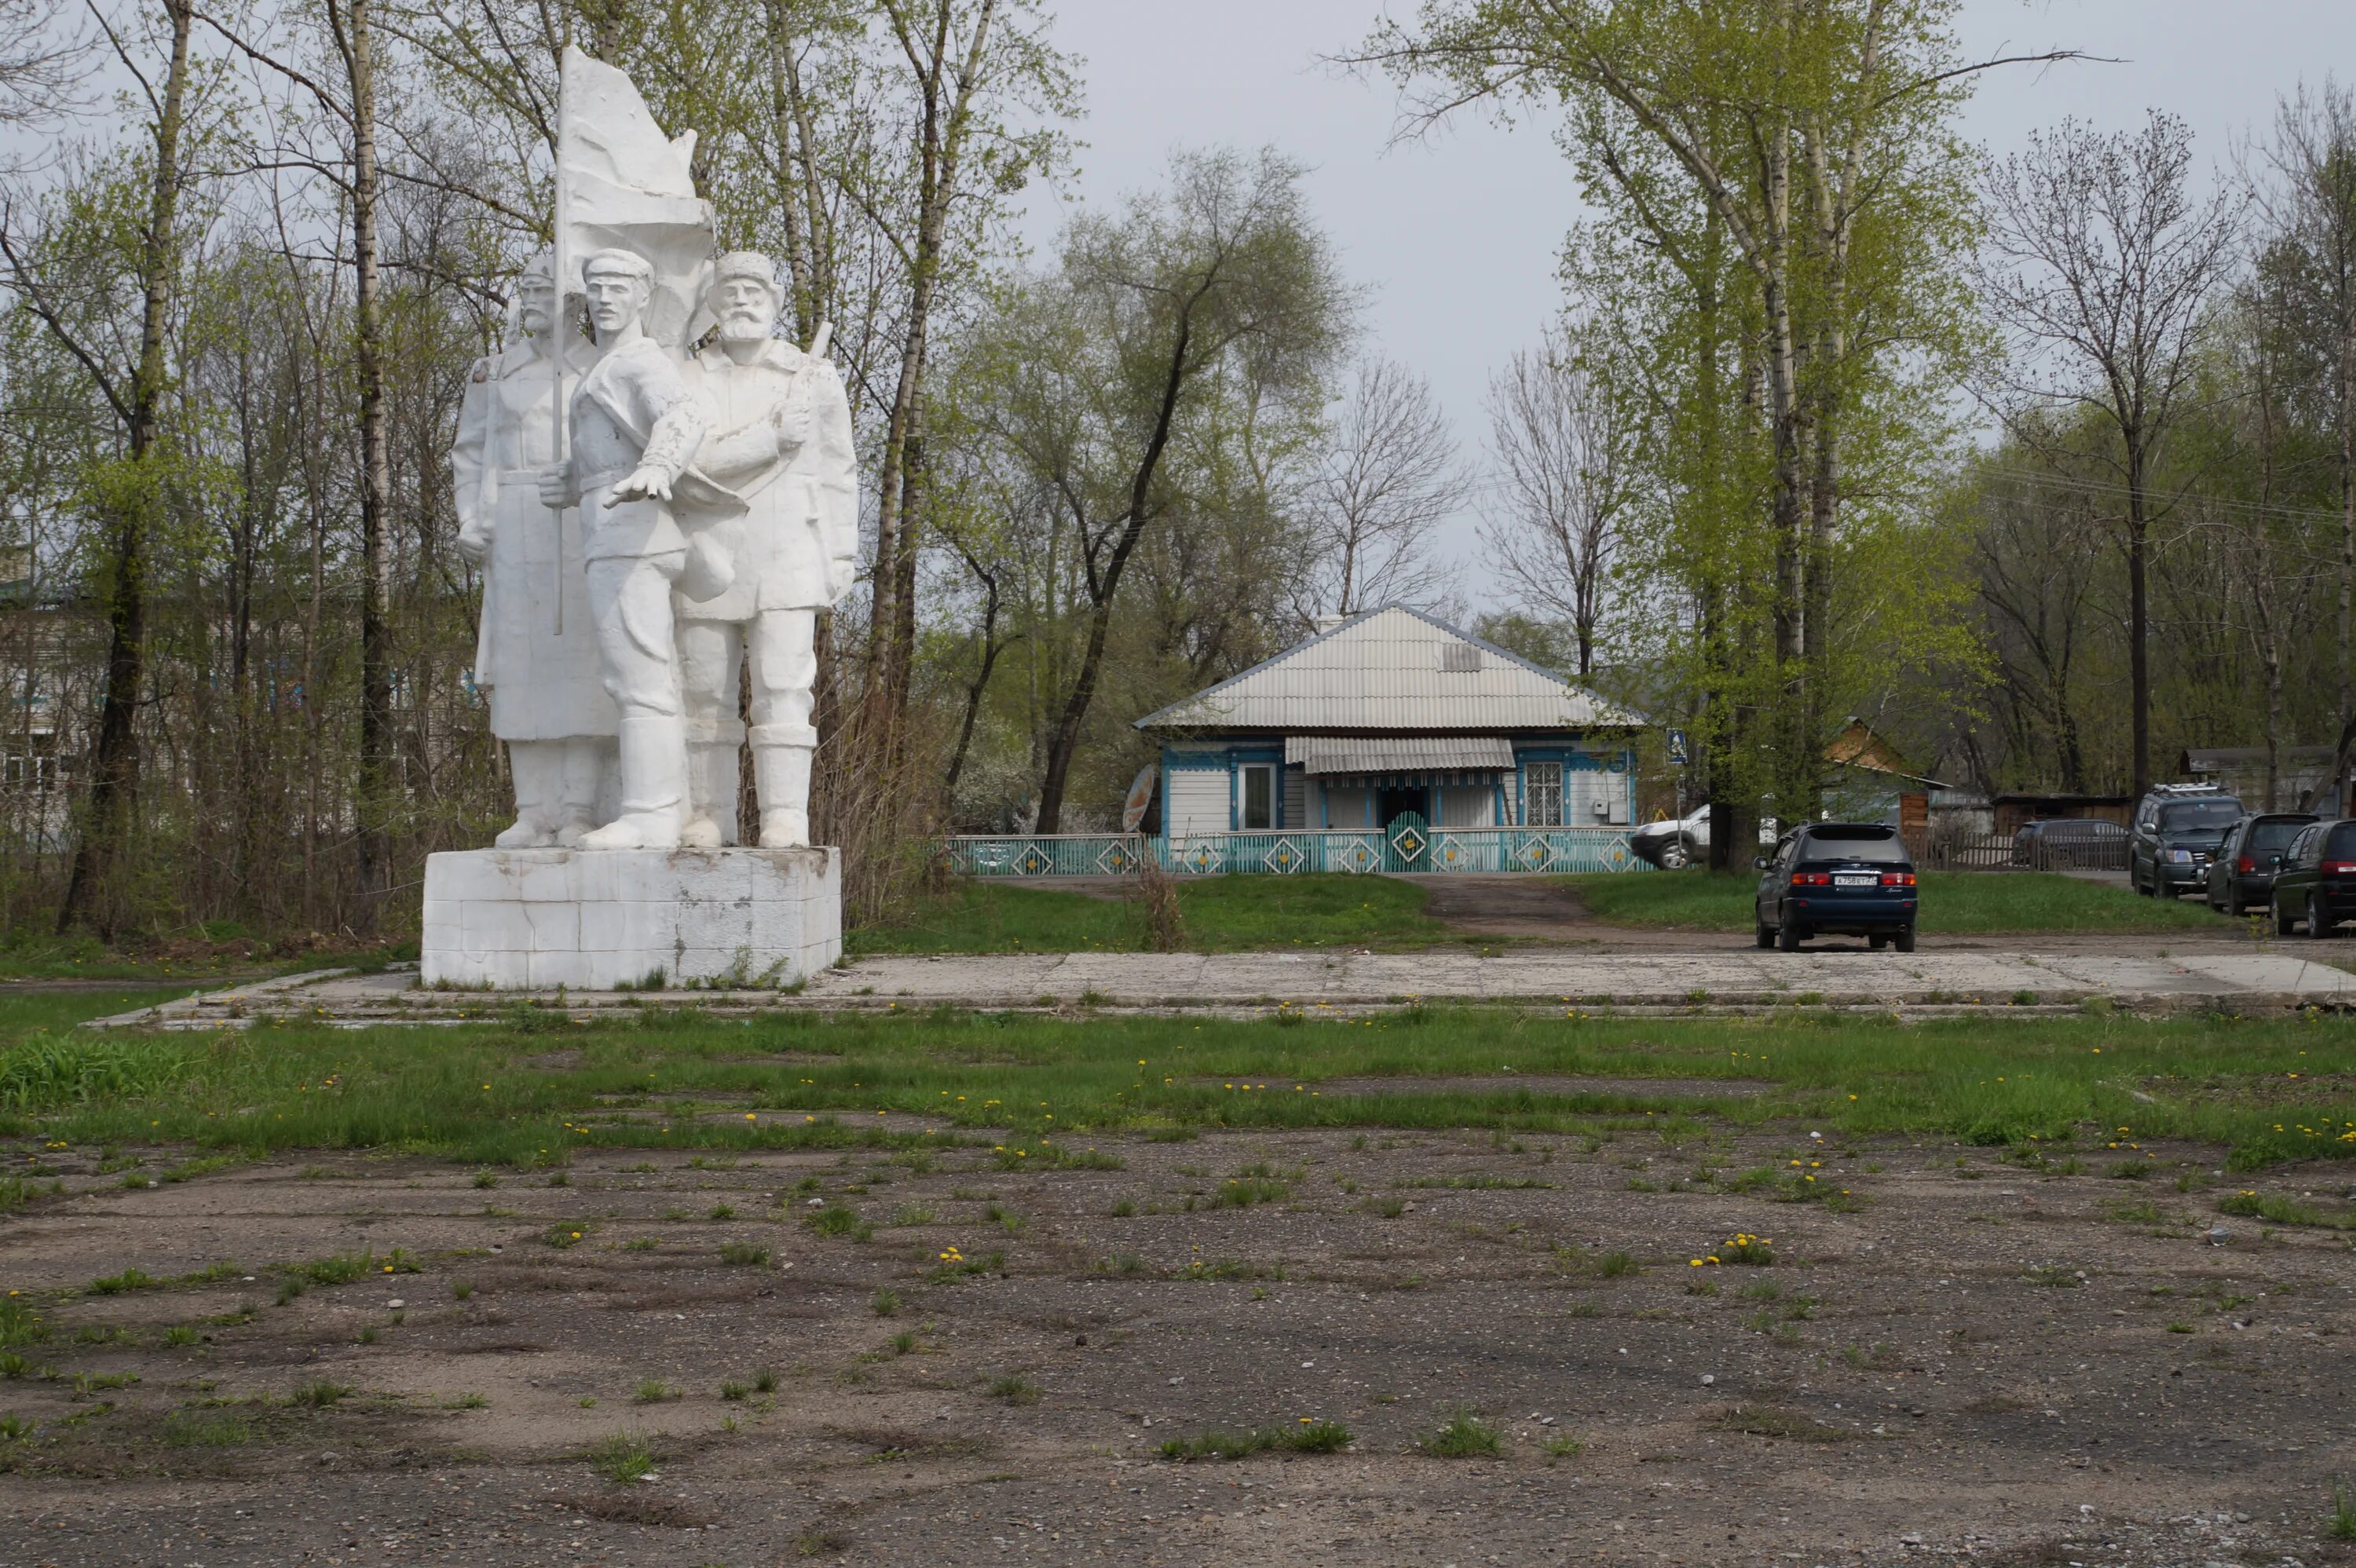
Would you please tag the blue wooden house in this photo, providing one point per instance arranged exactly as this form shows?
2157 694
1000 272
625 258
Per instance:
1392 741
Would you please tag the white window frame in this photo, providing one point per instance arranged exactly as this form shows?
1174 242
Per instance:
1540 782
1266 771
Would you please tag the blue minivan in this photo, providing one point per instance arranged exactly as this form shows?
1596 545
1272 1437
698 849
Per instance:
1838 879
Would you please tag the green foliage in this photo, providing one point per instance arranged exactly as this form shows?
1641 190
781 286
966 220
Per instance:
623 1457
1306 1437
44 1072
1221 913
1463 1436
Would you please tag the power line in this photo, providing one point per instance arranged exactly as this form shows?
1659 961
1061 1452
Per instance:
2105 487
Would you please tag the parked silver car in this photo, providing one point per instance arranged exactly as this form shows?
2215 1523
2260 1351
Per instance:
1674 844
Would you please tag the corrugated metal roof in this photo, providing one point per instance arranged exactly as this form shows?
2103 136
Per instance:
1396 753
1392 668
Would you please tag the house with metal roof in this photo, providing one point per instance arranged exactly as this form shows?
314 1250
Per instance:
1391 740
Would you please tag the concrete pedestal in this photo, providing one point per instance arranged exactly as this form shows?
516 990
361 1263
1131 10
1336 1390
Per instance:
597 919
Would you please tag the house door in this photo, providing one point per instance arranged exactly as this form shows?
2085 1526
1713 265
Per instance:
1407 837
1393 803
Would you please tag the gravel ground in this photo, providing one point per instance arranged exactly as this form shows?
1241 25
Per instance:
1981 1361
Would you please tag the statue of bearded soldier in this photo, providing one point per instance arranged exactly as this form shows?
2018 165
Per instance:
536 654
637 426
781 439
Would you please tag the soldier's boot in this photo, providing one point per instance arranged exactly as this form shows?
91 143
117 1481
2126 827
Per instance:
781 774
712 748
577 810
654 787
537 768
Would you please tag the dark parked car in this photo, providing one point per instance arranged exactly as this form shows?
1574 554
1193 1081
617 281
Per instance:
2177 830
2243 874
2070 844
1838 879
2315 886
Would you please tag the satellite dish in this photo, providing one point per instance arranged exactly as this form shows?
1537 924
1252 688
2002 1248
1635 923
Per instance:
1141 796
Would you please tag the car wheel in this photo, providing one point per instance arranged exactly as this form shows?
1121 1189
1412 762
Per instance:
2285 923
1676 855
1765 935
1877 941
1787 938
2136 882
1905 940
2316 926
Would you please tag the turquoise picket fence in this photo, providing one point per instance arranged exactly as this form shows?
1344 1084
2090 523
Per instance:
1410 847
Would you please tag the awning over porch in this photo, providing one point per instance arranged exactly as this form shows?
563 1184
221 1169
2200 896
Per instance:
1399 753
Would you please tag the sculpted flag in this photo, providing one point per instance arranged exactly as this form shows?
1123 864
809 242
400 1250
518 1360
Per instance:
621 182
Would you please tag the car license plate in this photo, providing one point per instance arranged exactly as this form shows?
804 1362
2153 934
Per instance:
1855 882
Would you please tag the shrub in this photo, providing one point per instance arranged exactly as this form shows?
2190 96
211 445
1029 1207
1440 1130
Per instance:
1463 1436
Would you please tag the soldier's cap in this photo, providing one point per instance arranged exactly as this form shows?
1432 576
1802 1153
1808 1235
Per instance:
542 270
745 264
615 260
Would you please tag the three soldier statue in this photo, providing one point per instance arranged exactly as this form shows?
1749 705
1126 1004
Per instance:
692 517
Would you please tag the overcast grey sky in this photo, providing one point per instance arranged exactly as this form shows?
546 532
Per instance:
1458 236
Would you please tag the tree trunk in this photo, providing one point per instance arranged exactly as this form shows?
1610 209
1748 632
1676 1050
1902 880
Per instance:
940 148
2138 618
377 740
114 764
977 690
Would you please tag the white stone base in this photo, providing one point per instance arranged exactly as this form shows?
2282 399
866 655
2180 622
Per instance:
595 919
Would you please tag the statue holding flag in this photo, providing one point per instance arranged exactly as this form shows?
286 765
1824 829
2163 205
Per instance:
535 656
625 580
636 426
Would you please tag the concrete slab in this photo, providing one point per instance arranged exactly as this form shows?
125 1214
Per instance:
1715 980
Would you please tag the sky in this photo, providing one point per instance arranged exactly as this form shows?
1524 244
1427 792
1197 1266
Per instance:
1457 236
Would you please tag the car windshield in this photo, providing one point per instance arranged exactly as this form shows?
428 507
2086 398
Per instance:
1877 844
2192 816
2272 838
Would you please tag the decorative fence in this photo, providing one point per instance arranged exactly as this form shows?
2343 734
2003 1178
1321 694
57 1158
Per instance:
1408 848
2043 852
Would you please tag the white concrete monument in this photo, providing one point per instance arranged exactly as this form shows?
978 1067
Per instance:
643 513
535 656
782 441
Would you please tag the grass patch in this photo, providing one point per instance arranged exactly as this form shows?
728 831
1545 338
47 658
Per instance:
1956 902
1306 1437
1463 1436
1221 914
1015 1389
205 1429
2002 1083
1775 1421
624 1456
2276 1209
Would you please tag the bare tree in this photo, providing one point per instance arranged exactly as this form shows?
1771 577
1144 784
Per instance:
1388 478
1562 446
2310 205
2098 262
43 60
137 393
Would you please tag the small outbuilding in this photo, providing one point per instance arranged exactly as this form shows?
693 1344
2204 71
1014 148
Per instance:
1394 721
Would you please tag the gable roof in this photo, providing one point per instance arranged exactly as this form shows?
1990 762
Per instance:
1392 668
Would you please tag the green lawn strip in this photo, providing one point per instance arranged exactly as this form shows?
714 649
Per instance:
1953 902
1221 913
24 1013
2268 1089
30 955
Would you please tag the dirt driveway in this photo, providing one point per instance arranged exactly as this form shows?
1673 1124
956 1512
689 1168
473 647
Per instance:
1979 1361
